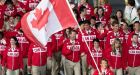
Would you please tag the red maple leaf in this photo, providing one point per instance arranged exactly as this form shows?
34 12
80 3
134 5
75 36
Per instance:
41 19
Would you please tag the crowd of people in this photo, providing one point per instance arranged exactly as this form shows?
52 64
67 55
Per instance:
104 43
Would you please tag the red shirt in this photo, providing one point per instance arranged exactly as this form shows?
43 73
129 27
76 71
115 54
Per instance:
24 44
132 56
97 54
2 10
115 60
111 36
10 11
102 19
102 37
72 51
107 72
108 10
88 36
90 9
37 56
12 58
21 8
32 4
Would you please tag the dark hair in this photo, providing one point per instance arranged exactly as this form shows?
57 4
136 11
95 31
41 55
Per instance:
13 37
134 35
65 34
87 22
113 17
136 22
138 9
114 23
73 31
93 17
98 10
8 2
125 22
82 8
96 40
131 2
76 12
1 34
81 22
120 12
97 24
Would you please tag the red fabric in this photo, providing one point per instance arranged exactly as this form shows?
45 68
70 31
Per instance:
88 37
21 8
2 10
108 10
12 59
103 19
109 72
10 11
37 56
72 55
110 38
115 61
32 4
24 44
97 56
102 37
132 56
90 9
130 36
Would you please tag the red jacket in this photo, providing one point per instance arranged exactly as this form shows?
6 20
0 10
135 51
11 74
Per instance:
103 19
130 36
108 10
10 11
90 9
21 8
2 10
58 35
24 4
108 72
97 56
115 60
24 44
37 56
12 59
126 35
102 37
89 36
72 51
132 56
111 36
32 4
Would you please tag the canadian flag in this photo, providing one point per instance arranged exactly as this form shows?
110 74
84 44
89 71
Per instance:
49 17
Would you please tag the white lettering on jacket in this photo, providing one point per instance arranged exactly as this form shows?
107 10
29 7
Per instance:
96 54
134 51
38 50
89 38
115 55
74 47
22 40
13 54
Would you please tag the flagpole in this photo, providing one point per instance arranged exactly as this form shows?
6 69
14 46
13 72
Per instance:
84 39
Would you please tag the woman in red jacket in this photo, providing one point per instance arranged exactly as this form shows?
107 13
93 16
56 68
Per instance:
114 55
12 59
104 70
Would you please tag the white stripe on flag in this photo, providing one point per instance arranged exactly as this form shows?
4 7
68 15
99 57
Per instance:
53 24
